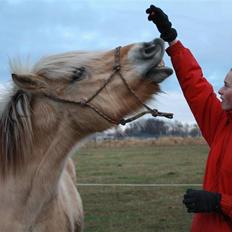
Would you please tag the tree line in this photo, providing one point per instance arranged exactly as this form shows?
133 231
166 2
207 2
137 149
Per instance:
158 128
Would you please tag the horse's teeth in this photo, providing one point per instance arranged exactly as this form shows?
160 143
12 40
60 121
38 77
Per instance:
161 64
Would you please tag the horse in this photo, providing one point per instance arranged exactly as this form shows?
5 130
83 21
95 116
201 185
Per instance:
48 110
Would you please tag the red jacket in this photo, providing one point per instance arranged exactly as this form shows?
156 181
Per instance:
216 127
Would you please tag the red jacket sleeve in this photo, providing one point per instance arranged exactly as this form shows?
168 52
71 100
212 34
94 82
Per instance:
226 204
199 94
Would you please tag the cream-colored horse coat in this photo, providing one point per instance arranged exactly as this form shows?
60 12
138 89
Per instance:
38 134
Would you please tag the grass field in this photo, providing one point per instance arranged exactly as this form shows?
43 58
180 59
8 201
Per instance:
136 209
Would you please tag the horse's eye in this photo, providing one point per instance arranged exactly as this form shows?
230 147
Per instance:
78 74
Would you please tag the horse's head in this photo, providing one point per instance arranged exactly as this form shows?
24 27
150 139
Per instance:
88 88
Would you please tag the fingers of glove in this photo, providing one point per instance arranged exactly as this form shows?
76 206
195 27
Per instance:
188 194
153 8
149 10
188 201
191 193
156 14
157 17
191 205
188 198
194 208
200 195
190 211
191 208
152 17
197 207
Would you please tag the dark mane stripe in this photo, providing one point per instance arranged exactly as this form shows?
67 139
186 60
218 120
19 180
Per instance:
15 133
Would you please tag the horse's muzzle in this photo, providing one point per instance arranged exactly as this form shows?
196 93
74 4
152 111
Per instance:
152 53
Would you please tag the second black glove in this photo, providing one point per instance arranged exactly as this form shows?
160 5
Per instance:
200 201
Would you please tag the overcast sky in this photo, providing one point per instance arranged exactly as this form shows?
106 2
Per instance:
34 28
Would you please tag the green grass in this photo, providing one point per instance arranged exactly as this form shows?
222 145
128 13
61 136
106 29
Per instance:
136 209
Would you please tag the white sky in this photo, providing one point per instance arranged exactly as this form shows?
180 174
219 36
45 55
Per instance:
39 27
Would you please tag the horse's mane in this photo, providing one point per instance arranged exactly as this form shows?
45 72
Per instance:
15 114
15 131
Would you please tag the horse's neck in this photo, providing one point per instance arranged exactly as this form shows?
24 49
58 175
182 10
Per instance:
53 155
13 208
36 187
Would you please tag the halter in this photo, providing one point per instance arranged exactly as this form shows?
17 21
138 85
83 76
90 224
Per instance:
116 71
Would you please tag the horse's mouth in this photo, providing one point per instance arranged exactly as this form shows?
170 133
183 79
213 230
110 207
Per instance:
158 73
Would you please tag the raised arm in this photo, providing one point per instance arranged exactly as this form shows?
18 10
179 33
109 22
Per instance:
199 94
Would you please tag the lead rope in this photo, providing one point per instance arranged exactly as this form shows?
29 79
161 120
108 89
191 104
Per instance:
153 112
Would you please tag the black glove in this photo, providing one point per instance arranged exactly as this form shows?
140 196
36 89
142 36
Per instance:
200 201
158 17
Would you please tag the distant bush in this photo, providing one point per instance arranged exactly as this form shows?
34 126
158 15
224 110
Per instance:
158 128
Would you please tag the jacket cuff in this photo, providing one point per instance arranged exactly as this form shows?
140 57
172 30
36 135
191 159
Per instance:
175 47
226 204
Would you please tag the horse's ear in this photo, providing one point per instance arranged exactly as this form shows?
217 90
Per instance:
28 81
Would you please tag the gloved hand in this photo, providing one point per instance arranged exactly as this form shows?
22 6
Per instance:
200 201
158 17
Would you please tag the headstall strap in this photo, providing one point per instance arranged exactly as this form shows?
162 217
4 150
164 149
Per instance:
117 63
116 70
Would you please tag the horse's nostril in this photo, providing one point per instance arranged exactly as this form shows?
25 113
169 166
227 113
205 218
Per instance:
150 49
